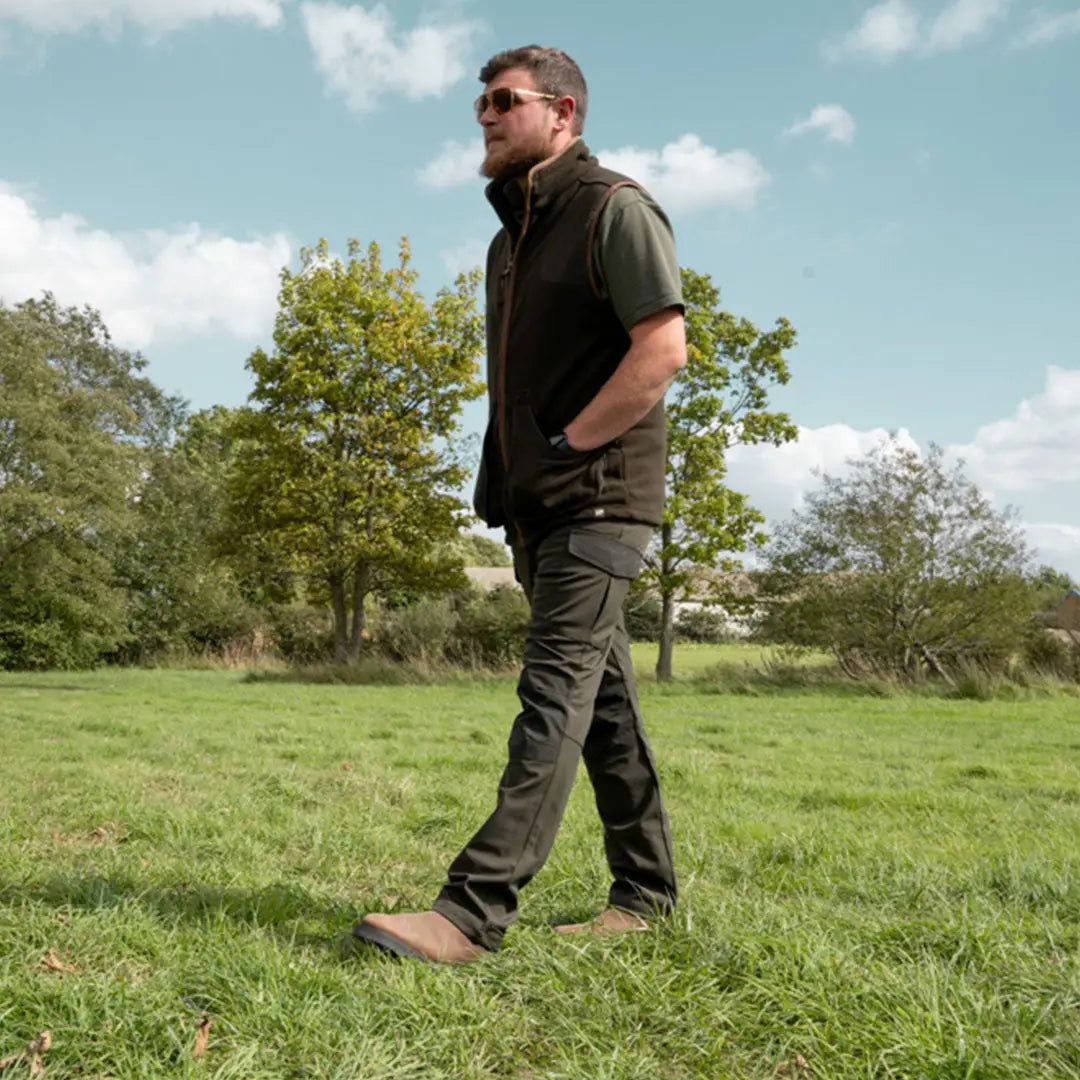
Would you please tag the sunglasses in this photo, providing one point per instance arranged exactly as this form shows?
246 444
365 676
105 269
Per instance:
504 98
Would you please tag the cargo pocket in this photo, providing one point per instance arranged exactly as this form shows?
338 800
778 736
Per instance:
606 553
621 563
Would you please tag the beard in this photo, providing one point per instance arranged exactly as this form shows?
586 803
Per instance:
504 161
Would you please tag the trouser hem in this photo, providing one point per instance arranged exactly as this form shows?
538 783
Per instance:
476 930
647 905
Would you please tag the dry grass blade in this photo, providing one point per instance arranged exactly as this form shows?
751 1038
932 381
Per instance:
111 830
31 1055
52 962
202 1037
797 1068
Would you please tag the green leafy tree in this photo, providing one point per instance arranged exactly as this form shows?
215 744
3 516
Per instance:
719 400
901 568
181 594
77 421
476 550
1051 587
349 455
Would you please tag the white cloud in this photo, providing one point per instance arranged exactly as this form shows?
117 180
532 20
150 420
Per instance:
963 21
886 31
894 27
66 16
148 286
361 55
776 478
1035 448
684 175
1056 544
466 256
457 163
833 121
687 175
1046 28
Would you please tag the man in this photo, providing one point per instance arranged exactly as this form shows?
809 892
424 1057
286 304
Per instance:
585 334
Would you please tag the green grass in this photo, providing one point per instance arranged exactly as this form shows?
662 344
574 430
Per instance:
887 887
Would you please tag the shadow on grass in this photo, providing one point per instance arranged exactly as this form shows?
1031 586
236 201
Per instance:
286 911
42 686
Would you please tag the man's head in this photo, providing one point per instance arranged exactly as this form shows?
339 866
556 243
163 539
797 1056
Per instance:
532 108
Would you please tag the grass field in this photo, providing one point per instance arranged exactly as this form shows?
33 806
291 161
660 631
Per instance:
692 660
871 887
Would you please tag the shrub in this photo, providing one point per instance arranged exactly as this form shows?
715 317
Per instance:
491 627
469 628
902 568
644 615
417 633
702 625
303 634
1050 653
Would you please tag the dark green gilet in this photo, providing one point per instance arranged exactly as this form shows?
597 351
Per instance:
552 343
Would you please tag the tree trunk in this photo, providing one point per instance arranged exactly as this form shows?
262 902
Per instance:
933 665
341 619
667 636
361 587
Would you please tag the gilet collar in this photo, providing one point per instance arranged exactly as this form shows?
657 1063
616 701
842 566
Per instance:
544 184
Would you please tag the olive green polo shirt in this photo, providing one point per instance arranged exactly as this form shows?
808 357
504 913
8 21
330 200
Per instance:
634 257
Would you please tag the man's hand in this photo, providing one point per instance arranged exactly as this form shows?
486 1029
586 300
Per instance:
657 353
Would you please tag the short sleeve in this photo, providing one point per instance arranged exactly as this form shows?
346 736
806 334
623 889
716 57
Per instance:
634 257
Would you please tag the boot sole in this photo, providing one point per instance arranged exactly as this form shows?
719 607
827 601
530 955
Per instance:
387 942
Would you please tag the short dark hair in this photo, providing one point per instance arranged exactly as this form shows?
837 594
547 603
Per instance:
552 70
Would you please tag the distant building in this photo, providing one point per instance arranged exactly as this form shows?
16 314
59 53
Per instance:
491 577
708 585
1068 616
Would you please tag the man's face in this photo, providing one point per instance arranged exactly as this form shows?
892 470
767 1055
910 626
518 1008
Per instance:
520 138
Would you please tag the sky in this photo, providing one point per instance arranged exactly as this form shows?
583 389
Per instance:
900 180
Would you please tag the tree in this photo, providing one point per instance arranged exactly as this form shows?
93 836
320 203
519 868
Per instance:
77 420
1051 586
349 460
901 568
719 400
181 594
476 550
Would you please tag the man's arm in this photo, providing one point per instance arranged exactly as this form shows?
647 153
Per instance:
637 269
657 352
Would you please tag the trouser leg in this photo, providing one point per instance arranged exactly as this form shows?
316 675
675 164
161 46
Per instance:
577 579
637 836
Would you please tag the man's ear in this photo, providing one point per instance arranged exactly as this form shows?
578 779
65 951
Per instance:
565 111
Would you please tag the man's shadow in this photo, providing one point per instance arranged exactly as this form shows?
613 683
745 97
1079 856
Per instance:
283 910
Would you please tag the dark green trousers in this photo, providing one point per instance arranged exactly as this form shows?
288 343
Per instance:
578 700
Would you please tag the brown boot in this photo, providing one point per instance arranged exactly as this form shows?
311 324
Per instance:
423 935
610 921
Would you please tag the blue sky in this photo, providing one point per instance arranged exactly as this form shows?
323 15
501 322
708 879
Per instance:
898 179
